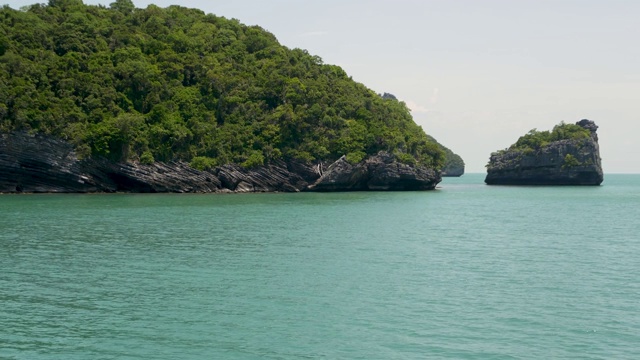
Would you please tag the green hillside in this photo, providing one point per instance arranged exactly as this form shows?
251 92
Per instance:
162 84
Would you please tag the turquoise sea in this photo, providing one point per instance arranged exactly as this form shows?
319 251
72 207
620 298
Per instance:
468 271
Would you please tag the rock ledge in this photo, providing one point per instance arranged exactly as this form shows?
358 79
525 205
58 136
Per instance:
42 164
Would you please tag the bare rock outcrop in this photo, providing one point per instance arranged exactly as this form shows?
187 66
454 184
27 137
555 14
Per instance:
379 172
40 163
268 178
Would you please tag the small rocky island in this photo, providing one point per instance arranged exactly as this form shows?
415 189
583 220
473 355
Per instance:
567 155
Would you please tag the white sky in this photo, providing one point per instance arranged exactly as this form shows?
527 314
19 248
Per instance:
477 73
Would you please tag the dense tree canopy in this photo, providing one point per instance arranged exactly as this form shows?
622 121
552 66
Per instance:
535 139
160 84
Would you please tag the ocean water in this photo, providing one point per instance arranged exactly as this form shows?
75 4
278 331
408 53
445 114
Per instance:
468 271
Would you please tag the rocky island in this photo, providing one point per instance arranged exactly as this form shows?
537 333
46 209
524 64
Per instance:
105 99
567 155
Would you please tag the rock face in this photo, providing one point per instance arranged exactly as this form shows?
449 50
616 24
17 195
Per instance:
379 172
280 176
43 164
453 171
563 162
39 163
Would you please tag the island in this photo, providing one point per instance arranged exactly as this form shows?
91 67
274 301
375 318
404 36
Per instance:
567 155
118 98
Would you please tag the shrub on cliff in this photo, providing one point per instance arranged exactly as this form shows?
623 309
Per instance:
174 83
570 161
535 139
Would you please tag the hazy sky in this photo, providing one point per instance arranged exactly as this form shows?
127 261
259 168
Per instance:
476 73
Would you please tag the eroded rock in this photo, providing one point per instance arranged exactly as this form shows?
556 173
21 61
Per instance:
40 163
378 172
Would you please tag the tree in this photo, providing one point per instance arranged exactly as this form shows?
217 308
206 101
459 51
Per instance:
124 6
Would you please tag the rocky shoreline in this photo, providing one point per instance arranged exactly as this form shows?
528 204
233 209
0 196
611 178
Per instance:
43 164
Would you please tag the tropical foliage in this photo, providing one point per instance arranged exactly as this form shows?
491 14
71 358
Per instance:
535 139
160 84
452 161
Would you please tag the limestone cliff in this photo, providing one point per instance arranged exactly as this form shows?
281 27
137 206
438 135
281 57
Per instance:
560 162
379 172
453 170
40 163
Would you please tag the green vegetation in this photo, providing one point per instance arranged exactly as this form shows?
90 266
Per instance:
534 139
570 161
160 84
452 161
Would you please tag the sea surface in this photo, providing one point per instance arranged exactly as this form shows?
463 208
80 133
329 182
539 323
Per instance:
468 271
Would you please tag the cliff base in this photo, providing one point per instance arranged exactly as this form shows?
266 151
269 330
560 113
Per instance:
42 164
